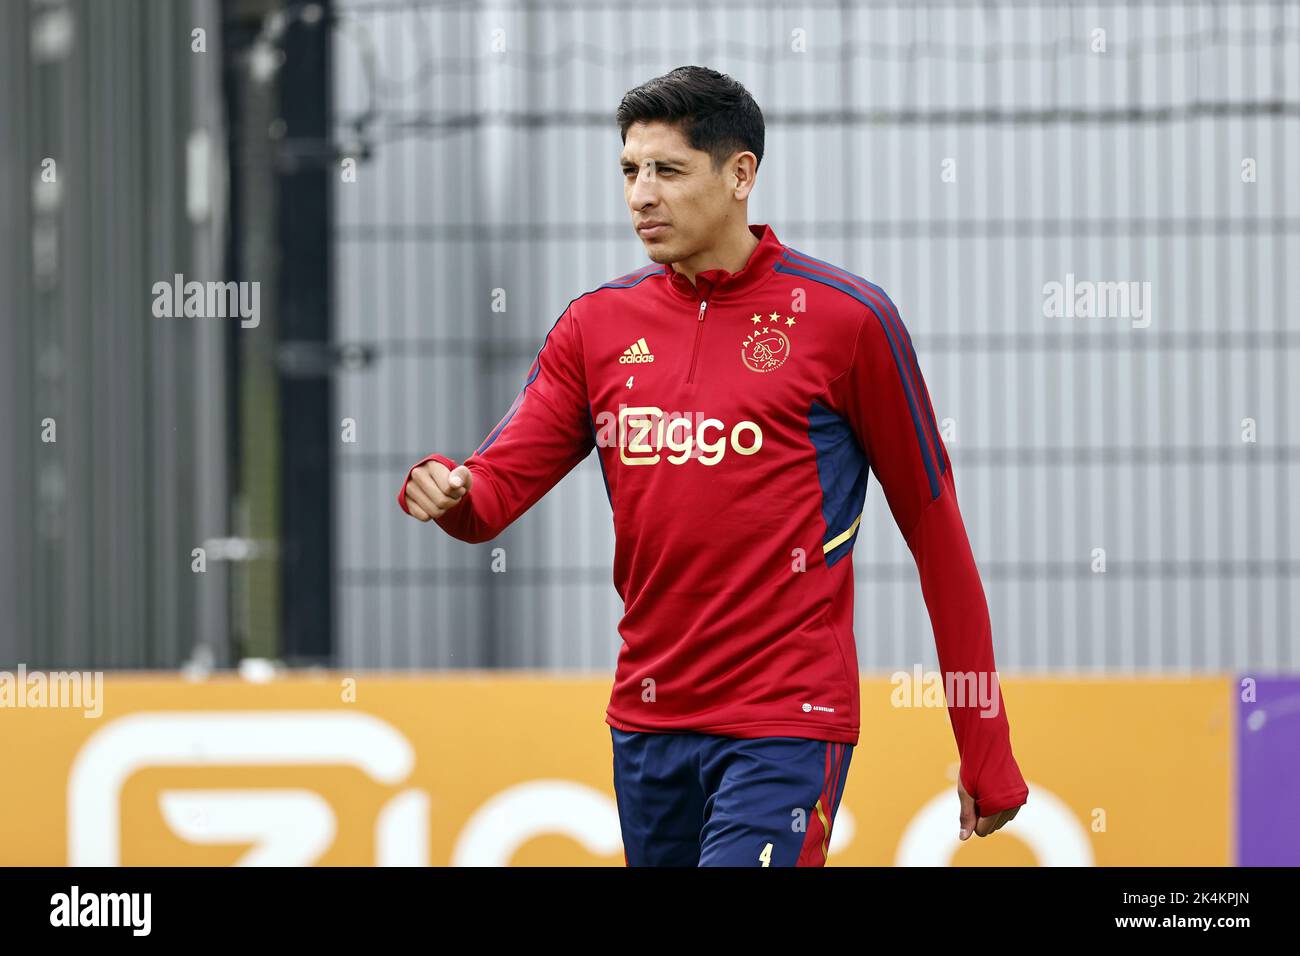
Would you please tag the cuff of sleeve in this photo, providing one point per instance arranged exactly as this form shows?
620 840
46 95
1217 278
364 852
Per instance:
401 492
987 806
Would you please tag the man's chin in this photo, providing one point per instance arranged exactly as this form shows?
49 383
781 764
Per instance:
660 252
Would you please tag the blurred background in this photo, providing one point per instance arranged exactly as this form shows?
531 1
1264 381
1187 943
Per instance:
180 494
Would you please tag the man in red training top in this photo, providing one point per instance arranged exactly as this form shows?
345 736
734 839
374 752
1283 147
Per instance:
738 393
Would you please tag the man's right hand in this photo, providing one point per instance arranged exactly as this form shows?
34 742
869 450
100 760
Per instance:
432 490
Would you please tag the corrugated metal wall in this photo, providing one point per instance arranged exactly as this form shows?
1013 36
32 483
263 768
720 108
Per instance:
99 524
496 170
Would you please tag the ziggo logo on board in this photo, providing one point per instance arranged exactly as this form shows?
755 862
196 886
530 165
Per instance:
296 826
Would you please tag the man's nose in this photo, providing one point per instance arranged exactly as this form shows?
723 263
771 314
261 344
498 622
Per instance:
644 190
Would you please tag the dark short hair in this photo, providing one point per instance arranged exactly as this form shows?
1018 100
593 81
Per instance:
714 112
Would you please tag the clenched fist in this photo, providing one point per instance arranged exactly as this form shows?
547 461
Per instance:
971 822
432 490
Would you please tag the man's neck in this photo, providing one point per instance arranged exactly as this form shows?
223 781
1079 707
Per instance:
730 253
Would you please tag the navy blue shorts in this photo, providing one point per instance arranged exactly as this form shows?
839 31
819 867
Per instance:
703 800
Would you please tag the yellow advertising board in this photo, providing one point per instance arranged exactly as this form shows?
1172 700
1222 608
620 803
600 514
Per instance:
502 769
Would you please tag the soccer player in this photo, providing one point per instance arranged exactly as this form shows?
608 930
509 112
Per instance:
738 393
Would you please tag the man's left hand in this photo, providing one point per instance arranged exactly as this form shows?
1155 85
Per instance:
980 826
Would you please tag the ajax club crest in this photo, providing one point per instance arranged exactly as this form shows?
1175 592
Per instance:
767 346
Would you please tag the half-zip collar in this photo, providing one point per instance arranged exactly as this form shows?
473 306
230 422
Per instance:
719 283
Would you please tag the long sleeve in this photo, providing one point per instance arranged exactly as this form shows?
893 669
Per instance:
885 400
545 433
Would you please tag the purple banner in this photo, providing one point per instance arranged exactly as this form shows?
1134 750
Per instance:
1268 773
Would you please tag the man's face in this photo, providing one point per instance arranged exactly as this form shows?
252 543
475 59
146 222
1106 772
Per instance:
669 184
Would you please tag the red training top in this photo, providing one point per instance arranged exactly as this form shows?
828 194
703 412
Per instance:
736 422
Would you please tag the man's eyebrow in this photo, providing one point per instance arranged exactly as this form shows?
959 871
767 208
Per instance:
625 161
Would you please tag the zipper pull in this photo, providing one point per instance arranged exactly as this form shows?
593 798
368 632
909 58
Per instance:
703 303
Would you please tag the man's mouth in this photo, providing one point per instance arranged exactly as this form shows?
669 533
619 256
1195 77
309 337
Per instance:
649 230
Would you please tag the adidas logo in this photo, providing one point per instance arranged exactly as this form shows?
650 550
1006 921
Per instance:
635 354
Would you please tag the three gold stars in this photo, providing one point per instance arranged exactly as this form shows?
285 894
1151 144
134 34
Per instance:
775 317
